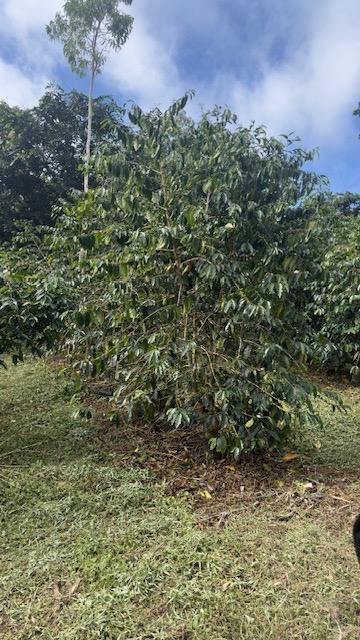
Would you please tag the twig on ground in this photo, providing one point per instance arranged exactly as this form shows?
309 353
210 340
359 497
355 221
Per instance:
30 446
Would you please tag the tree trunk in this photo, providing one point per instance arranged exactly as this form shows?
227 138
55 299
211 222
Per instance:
89 131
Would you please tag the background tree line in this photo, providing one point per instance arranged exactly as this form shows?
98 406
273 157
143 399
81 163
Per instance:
42 151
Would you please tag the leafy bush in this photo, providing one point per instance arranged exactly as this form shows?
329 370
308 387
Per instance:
334 302
185 283
33 296
199 279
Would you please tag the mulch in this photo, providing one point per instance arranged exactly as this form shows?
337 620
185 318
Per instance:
218 487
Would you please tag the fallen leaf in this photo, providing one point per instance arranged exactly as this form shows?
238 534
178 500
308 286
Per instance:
308 486
288 457
303 487
206 494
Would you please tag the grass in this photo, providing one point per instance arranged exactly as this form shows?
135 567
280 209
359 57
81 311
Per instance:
338 443
91 548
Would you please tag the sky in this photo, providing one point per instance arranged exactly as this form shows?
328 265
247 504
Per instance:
292 65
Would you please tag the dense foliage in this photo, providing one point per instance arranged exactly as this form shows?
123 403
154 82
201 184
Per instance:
41 150
185 286
34 295
333 290
194 278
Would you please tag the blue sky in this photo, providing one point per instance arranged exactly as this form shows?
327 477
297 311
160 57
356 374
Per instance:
293 65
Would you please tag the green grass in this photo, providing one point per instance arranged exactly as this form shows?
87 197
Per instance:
339 441
91 550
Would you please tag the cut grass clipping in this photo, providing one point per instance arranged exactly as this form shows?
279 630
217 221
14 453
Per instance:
90 549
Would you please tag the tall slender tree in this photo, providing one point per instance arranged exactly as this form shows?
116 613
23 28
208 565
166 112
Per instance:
88 30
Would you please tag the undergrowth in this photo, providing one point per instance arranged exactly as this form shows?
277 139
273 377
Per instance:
91 549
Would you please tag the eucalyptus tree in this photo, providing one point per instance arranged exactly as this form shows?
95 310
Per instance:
88 30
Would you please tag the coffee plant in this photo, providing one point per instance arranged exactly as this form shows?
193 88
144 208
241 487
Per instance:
184 284
333 304
34 294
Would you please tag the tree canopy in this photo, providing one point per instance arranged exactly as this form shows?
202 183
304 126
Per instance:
41 151
88 29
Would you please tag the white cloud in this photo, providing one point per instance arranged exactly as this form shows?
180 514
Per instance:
17 89
24 16
145 69
314 91
29 66
305 58
291 64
